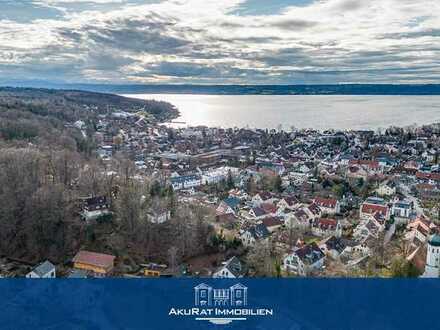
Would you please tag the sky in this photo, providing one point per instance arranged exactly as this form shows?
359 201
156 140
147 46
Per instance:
220 41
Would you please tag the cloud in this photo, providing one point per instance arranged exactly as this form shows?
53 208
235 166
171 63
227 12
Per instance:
211 41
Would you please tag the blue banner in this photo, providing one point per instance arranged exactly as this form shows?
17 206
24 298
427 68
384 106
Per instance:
294 304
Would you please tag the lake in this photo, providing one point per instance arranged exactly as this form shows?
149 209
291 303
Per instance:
302 111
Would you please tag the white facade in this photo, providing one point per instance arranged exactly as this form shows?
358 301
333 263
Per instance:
433 257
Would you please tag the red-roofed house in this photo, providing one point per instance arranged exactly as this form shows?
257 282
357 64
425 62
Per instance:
371 165
326 227
428 177
272 223
368 210
98 263
329 206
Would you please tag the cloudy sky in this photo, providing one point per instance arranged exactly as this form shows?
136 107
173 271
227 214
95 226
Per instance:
221 41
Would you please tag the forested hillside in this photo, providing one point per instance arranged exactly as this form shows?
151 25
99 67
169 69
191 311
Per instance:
47 167
41 116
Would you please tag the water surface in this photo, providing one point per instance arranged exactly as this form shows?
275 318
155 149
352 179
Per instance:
302 111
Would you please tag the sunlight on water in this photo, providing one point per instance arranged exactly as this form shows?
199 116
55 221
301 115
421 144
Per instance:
302 111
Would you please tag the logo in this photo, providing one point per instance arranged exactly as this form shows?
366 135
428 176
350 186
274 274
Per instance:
220 305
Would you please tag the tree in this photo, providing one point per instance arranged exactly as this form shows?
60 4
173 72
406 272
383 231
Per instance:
400 267
251 187
262 260
129 207
173 259
278 184
230 181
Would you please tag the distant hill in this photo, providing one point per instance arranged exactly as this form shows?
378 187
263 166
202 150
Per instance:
67 103
43 116
348 89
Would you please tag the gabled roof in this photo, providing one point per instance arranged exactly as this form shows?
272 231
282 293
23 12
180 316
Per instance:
264 195
314 208
272 222
334 243
258 211
259 231
325 224
93 202
232 202
234 266
325 202
310 253
374 208
95 259
43 268
269 207
291 200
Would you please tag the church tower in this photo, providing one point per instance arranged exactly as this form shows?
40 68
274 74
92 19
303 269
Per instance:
433 257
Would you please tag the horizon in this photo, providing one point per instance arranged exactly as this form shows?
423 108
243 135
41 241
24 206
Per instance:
232 42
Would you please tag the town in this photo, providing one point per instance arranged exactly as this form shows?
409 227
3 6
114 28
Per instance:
252 202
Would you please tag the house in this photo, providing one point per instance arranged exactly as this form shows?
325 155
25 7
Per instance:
328 206
298 219
420 228
374 206
228 206
326 227
253 234
387 188
43 270
231 268
304 260
402 211
257 213
287 203
370 228
313 210
154 270
371 166
159 216
186 182
269 208
263 197
272 223
426 177
333 246
354 253
97 263
95 207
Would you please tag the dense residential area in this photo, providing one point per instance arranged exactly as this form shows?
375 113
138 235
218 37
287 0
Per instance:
112 191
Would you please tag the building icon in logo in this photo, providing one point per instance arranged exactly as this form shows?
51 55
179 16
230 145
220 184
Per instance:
206 296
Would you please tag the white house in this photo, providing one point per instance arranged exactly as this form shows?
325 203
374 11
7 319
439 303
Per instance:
304 260
332 246
263 197
387 188
186 182
366 229
231 268
95 207
43 270
401 210
253 234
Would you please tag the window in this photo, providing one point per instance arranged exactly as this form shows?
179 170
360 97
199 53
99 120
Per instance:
203 294
238 294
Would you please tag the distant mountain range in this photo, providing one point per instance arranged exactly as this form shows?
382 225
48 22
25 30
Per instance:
348 89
